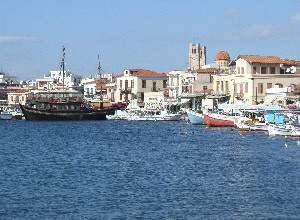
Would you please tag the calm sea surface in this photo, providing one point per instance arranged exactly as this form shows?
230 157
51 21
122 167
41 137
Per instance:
145 170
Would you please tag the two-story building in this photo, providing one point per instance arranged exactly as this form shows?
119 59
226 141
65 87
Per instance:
134 83
253 74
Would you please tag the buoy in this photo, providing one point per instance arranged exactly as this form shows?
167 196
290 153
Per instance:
285 136
285 145
242 132
186 132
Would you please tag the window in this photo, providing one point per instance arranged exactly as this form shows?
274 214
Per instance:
154 86
241 88
246 88
263 70
143 83
204 87
132 83
272 70
254 70
222 86
126 84
269 85
260 88
238 70
226 86
120 96
243 70
165 84
120 84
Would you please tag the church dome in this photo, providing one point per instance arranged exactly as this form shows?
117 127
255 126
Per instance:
223 55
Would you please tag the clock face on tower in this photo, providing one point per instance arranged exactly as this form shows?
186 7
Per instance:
194 59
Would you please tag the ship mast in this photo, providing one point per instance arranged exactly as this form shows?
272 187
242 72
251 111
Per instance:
100 80
99 67
63 67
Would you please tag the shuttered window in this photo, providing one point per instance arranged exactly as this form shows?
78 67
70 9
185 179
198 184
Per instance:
246 88
269 85
272 70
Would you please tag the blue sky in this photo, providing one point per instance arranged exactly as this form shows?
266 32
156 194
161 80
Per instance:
140 34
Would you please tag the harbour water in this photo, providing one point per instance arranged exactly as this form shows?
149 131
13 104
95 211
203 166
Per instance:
145 170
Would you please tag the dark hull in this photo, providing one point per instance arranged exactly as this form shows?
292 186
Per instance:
32 114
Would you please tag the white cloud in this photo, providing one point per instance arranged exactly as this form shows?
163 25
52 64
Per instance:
295 18
9 39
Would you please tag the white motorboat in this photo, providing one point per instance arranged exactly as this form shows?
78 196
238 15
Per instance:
283 130
5 115
296 132
156 115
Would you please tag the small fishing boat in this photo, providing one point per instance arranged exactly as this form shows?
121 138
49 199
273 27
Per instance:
156 115
219 120
296 132
196 117
4 115
280 129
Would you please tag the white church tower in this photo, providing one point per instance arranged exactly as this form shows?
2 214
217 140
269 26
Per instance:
197 56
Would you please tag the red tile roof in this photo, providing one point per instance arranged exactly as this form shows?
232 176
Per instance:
142 72
222 55
267 59
297 71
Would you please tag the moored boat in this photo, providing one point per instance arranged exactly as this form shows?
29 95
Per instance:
63 111
195 117
296 131
219 120
5 115
283 130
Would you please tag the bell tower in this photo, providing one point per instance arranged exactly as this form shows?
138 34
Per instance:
197 56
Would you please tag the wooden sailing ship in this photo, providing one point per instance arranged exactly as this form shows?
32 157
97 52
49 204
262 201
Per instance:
61 105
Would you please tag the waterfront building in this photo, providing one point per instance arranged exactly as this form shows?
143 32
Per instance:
197 56
69 78
253 74
154 100
176 79
6 79
134 83
18 96
45 83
